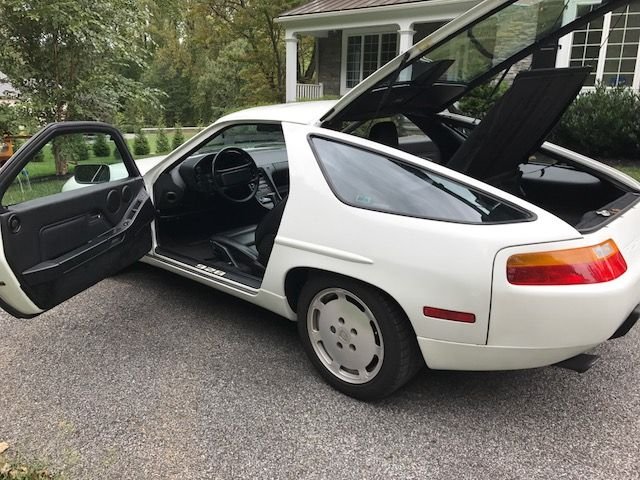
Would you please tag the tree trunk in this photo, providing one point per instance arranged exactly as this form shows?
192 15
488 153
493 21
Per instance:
59 155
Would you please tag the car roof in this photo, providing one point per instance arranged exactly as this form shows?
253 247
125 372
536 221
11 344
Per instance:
299 112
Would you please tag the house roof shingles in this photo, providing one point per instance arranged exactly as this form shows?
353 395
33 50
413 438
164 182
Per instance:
325 6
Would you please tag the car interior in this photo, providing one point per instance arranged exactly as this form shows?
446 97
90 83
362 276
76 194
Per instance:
219 209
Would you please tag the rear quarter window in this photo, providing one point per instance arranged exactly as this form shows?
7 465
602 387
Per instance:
372 181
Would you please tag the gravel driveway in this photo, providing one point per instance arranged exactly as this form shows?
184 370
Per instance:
148 375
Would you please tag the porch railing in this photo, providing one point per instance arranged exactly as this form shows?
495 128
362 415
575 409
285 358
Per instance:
308 91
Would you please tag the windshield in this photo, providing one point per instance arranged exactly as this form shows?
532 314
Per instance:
249 137
487 44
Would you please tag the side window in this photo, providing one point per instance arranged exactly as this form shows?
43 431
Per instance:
67 162
372 181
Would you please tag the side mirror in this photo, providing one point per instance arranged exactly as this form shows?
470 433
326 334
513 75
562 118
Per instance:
92 173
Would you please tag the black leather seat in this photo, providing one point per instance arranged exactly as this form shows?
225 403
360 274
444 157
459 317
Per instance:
385 133
249 248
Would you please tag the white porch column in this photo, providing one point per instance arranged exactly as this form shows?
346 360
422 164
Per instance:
405 35
406 39
291 41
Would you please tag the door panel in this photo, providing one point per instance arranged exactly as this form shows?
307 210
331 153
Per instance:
61 248
62 243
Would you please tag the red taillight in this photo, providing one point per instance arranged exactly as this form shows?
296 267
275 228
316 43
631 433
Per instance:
597 264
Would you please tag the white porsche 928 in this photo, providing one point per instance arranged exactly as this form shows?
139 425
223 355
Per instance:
396 233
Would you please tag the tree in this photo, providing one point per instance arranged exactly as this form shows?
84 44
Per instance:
178 137
67 57
141 144
254 21
101 147
162 141
222 86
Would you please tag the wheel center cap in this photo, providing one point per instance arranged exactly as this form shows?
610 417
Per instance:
344 335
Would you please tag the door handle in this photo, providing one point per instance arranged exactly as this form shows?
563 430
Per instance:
14 223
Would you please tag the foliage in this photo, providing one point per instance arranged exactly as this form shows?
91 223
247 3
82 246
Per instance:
141 144
178 137
38 157
101 147
81 149
162 141
130 62
481 99
23 471
254 22
222 84
602 123
68 149
67 57
8 119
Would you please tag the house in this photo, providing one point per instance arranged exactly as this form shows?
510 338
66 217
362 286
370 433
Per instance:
8 94
355 37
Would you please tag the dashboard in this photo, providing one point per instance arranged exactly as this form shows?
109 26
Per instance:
194 175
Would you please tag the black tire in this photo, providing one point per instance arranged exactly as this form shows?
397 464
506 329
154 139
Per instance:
401 358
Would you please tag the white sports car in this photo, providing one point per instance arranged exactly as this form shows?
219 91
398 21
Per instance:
396 234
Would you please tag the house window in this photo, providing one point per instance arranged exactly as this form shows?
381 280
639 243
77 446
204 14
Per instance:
367 53
618 35
586 44
622 46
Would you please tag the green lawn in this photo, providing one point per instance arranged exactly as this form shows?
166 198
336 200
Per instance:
47 166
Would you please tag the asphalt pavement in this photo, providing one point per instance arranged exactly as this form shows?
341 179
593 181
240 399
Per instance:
148 375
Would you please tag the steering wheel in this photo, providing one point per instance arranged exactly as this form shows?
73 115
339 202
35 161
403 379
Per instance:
232 169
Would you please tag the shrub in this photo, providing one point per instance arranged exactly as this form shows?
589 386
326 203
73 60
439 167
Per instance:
38 157
602 123
80 148
481 99
101 147
162 141
178 137
116 153
141 144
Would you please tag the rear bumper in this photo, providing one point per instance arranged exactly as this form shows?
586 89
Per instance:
441 355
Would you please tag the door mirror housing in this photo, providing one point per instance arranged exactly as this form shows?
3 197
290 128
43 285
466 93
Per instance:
92 173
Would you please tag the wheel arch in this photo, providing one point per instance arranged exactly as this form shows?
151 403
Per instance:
298 276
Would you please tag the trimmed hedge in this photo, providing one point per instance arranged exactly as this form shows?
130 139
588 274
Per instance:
101 147
141 144
178 137
604 123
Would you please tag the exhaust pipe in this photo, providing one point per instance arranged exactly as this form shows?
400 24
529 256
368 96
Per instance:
580 363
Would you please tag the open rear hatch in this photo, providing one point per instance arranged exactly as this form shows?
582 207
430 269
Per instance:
465 53
503 149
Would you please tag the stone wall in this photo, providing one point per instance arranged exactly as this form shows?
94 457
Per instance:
423 30
329 59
